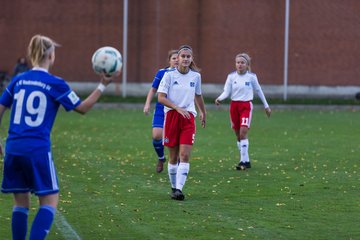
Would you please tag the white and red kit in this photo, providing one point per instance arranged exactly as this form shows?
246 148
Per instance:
180 89
241 89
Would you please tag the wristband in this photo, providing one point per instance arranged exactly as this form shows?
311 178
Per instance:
101 87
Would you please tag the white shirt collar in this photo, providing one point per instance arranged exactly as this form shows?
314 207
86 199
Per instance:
40 69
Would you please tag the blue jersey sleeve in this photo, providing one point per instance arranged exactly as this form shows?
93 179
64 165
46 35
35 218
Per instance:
65 96
157 79
70 100
7 97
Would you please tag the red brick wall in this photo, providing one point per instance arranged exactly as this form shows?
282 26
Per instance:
324 42
323 48
80 26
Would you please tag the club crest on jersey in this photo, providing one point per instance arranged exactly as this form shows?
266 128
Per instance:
192 84
247 83
166 140
175 83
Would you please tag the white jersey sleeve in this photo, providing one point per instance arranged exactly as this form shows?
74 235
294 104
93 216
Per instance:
164 84
198 85
256 86
227 89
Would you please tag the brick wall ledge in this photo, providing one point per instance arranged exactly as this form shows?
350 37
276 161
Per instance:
213 90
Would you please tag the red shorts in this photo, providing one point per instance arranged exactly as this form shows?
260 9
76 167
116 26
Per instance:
240 114
178 129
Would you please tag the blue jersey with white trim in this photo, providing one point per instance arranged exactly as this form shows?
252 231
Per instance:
34 98
155 84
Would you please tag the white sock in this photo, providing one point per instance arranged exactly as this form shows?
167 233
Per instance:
172 170
239 147
182 173
244 150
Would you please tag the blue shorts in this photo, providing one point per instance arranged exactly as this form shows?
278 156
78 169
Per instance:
35 174
158 119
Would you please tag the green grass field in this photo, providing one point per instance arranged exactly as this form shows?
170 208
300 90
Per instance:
304 183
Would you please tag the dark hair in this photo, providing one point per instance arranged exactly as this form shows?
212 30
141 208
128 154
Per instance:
170 53
192 64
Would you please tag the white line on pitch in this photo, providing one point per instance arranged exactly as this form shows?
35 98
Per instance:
65 228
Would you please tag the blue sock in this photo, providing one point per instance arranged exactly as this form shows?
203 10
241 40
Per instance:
42 222
19 222
159 148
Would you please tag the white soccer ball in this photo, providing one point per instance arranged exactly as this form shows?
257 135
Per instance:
106 60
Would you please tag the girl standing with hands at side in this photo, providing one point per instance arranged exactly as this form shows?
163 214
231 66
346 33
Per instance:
240 86
179 91
34 98
158 118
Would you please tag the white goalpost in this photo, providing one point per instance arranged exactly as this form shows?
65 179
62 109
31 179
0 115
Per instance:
125 33
286 46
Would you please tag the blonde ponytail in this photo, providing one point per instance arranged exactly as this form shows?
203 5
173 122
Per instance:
40 47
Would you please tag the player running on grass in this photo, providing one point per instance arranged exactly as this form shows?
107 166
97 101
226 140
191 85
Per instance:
34 98
178 91
240 86
158 118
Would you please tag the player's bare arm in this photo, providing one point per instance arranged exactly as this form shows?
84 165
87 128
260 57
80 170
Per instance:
201 105
149 97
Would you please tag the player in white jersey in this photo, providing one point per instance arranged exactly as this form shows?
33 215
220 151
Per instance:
178 91
240 86
34 98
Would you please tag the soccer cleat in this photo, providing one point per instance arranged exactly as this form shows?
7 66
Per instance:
177 195
241 166
160 166
248 165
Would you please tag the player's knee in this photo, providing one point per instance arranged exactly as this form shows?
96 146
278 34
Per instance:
184 157
157 137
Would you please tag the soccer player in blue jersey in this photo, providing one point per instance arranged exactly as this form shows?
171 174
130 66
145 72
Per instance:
158 118
34 98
